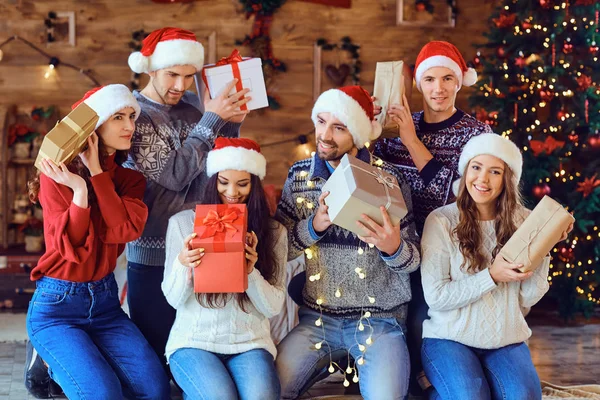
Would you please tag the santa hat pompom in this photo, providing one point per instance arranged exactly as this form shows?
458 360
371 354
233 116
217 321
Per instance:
138 62
470 77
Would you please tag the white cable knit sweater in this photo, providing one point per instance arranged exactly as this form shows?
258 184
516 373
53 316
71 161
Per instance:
227 330
470 308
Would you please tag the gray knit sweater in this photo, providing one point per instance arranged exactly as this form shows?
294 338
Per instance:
169 147
335 254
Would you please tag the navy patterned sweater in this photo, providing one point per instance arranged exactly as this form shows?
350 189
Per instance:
334 254
432 187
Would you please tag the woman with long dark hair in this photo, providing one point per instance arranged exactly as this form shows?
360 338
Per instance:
220 346
92 207
474 340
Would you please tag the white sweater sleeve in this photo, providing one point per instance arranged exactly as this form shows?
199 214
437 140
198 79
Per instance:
268 299
534 288
441 292
177 284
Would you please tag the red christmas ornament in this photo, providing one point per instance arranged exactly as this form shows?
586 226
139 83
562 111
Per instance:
593 49
526 24
561 114
573 137
565 253
501 52
567 48
545 3
540 191
594 141
546 95
420 7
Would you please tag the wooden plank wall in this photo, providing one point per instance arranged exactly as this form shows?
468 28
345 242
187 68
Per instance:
104 30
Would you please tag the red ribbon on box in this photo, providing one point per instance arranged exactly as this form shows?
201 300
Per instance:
233 60
218 227
219 223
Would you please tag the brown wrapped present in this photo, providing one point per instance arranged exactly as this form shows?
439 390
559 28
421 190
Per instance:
356 188
388 89
537 235
66 140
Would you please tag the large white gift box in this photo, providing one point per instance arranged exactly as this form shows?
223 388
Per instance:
250 76
356 188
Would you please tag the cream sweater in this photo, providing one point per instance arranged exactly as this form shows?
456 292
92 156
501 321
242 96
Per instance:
227 330
470 308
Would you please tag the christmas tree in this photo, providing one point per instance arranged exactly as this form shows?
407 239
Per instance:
539 86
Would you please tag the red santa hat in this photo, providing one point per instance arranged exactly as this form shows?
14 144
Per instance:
109 99
444 54
237 154
353 106
165 48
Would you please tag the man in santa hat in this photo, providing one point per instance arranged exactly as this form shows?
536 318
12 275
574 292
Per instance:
427 151
345 316
170 144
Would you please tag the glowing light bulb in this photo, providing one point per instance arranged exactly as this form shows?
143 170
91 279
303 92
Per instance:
360 251
371 300
369 340
362 347
318 345
348 370
361 327
319 322
360 361
331 369
355 378
338 293
346 383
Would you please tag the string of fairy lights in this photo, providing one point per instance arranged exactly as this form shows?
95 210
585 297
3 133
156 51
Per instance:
360 273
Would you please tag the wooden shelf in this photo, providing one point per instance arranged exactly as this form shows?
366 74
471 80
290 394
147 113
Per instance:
22 161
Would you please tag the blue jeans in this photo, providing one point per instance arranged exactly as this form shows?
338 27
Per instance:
384 374
92 349
417 313
148 308
203 375
457 371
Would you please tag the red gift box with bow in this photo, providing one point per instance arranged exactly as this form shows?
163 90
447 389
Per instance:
221 231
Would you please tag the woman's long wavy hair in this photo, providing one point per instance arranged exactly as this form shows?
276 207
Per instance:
468 232
78 167
259 222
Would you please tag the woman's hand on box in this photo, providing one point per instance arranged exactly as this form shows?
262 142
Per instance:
565 234
189 257
251 253
504 271
386 238
90 156
227 106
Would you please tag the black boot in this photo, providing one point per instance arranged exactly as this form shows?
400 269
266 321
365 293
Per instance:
37 381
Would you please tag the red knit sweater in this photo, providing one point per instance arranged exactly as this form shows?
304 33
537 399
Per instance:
82 244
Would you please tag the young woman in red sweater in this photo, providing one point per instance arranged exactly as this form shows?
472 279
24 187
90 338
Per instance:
92 207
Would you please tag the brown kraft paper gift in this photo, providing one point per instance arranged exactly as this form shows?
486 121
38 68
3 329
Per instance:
356 188
538 234
66 140
388 89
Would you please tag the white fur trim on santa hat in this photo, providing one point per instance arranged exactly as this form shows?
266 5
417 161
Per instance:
238 159
350 113
111 99
494 145
467 78
167 54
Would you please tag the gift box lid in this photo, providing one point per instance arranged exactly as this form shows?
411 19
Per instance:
220 227
214 69
368 183
81 122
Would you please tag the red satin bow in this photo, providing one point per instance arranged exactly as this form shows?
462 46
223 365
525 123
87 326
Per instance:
217 223
234 57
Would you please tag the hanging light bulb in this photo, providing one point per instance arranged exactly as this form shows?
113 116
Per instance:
318 345
338 293
331 369
348 370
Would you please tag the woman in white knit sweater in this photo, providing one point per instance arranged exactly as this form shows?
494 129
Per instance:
474 340
220 345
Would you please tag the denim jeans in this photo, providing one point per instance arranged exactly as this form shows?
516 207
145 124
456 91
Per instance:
383 375
92 348
457 371
148 308
203 375
417 313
